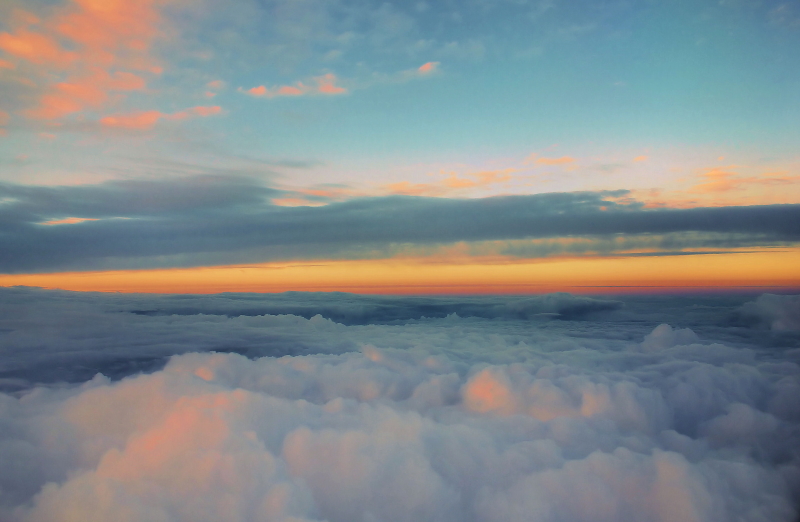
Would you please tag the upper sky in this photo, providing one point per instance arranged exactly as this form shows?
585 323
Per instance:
149 134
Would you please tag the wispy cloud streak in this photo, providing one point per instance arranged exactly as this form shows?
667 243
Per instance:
226 214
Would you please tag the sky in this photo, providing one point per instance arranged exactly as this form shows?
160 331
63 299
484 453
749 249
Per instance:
303 407
362 261
409 147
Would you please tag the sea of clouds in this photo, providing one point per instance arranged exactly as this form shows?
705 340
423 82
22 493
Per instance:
344 408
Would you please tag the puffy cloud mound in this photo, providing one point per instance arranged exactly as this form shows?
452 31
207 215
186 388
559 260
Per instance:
778 312
451 419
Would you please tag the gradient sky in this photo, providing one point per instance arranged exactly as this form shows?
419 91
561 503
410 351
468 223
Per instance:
425 147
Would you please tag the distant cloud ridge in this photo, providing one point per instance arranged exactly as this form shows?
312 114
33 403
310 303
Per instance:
163 218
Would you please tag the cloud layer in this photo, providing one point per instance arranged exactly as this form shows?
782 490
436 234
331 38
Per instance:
397 417
231 219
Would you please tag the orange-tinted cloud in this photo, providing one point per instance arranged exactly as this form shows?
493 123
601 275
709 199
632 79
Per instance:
489 391
112 30
5 64
84 52
717 179
729 185
4 117
563 160
451 183
136 120
67 221
296 202
36 48
428 68
213 87
144 120
726 179
404 188
200 110
91 91
640 158
257 91
325 84
481 179
317 196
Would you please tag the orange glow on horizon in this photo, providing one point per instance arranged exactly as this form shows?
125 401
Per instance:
773 269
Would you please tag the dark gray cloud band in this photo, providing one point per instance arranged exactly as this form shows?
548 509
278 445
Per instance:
218 219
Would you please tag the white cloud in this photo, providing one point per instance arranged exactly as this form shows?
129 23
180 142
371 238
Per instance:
778 312
664 336
510 417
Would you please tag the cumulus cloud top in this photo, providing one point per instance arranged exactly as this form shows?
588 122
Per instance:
778 312
249 407
385 436
609 415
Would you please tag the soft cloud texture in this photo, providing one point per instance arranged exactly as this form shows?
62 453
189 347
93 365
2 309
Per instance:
615 416
148 119
325 84
231 219
85 53
777 312
453 183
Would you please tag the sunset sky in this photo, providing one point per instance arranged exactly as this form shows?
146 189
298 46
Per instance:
398 147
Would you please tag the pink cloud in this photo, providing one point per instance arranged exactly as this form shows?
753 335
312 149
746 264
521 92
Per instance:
136 120
257 91
726 179
291 90
5 64
36 48
296 202
91 91
563 160
83 52
112 31
204 111
145 120
428 68
213 87
489 391
405 188
452 183
55 105
326 84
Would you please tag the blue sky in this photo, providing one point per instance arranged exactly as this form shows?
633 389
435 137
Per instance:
512 78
